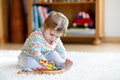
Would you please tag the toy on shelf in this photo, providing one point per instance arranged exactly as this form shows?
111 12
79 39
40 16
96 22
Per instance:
50 69
82 20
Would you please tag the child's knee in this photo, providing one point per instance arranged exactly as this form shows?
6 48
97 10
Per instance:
25 61
54 56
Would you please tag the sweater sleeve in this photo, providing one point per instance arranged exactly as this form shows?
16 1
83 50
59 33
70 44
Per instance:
61 49
34 44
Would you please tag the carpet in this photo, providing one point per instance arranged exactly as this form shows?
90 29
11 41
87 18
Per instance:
87 66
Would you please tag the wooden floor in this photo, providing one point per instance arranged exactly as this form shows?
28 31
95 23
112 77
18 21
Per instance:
104 47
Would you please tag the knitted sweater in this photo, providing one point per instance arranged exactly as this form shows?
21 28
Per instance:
37 46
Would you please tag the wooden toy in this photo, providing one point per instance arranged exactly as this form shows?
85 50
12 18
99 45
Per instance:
50 69
42 72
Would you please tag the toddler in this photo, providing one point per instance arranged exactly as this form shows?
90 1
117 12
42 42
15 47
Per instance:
44 44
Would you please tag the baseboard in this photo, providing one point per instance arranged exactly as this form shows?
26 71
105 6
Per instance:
111 39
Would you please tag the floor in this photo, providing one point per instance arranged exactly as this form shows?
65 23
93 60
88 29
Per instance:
104 47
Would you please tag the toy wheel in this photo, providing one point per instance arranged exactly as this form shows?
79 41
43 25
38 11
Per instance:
74 24
85 24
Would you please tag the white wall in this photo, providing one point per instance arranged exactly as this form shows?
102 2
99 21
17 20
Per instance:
112 18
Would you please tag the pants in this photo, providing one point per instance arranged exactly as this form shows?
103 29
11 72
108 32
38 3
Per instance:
25 61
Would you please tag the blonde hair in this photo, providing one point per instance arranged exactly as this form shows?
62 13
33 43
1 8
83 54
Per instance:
56 21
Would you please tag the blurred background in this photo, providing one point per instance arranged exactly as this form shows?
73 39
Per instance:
15 13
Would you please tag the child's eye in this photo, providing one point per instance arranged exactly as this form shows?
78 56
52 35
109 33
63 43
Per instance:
56 37
51 34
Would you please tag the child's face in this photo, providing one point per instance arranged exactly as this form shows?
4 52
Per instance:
51 35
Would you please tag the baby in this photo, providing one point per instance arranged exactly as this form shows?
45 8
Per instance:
45 44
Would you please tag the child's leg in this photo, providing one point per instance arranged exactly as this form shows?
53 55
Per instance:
54 56
25 61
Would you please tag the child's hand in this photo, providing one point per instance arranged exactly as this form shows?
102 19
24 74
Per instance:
46 65
52 62
43 62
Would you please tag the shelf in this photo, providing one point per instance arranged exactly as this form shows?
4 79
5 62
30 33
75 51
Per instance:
70 9
61 3
78 37
81 32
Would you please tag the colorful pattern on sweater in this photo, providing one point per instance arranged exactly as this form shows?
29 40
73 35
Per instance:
36 46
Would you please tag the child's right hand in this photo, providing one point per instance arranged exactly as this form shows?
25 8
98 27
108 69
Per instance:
43 62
